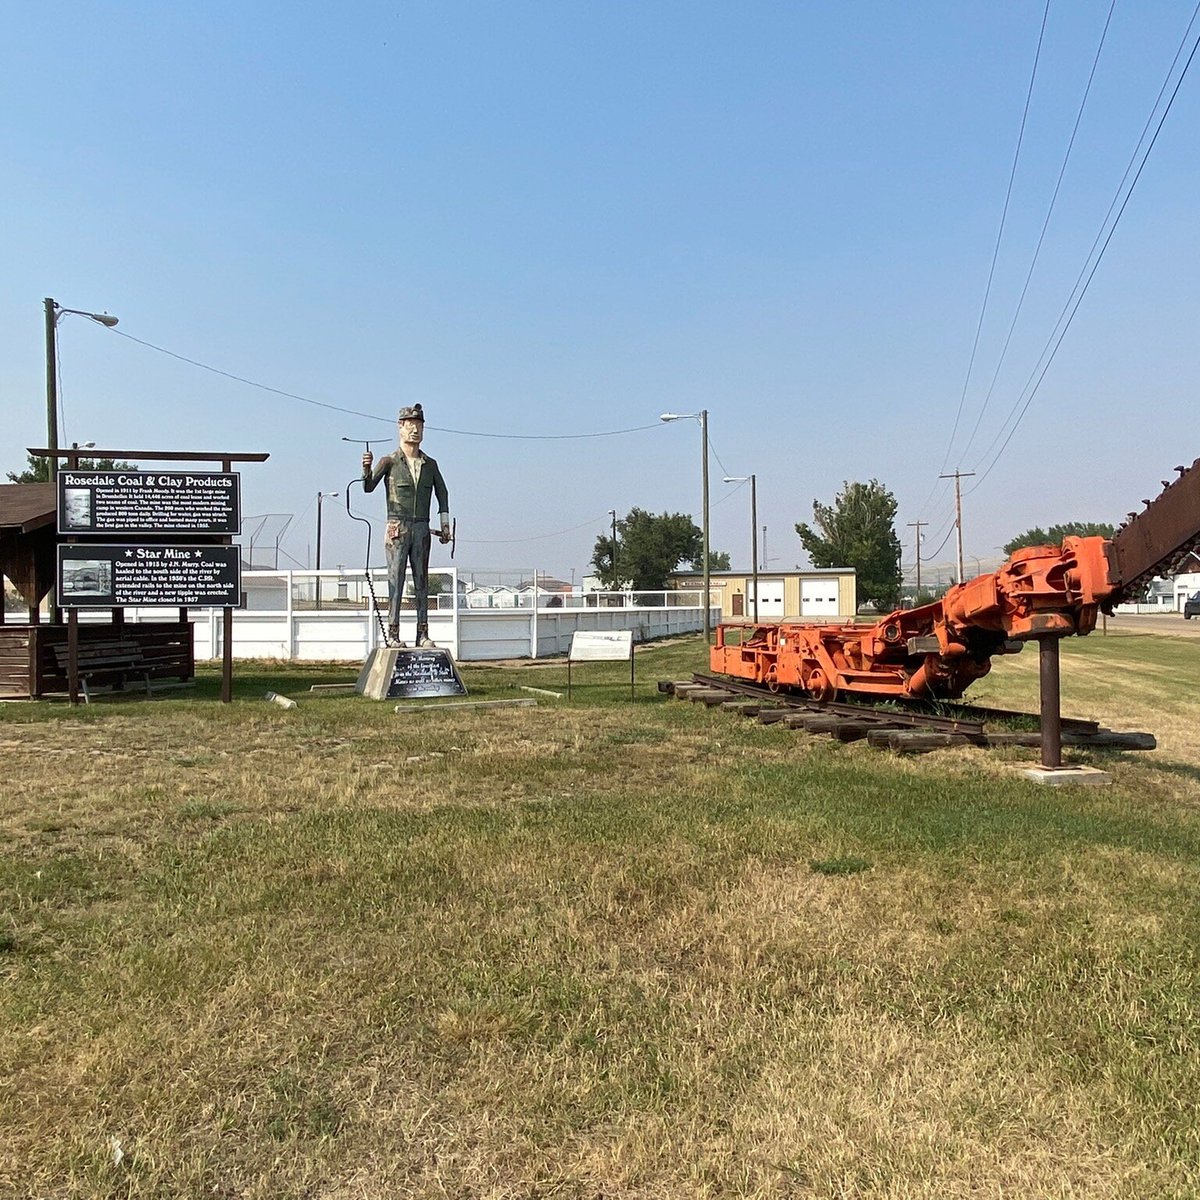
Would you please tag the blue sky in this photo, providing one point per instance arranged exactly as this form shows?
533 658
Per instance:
563 218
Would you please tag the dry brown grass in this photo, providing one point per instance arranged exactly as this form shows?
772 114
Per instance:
605 950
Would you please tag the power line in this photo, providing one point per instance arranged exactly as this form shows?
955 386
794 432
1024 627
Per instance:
523 437
935 553
1067 316
1045 225
999 236
733 491
490 541
538 437
248 382
713 452
538 537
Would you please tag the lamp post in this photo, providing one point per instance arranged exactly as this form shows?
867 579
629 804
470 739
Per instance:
321 496
753 529
53 312
702 417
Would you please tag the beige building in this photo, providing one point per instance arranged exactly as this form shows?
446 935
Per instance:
824 594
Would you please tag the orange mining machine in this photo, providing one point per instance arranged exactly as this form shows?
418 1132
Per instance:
937 651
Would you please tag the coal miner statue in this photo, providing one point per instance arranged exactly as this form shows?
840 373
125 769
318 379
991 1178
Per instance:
413 480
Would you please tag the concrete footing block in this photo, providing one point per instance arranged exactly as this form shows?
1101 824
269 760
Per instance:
1068 776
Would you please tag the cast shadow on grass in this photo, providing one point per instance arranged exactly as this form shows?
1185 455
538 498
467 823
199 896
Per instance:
1182 770
253 680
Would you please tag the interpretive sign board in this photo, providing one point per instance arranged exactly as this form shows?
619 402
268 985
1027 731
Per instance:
601 645
121 503
103 576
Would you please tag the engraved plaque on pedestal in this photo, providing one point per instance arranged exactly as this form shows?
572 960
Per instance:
391 672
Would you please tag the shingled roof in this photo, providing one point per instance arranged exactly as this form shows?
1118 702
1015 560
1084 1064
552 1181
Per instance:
28 537
25 507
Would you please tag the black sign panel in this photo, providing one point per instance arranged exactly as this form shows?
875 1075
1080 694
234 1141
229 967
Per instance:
422 673
93 576
121 503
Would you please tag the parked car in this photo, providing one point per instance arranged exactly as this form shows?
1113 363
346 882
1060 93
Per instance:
1191 607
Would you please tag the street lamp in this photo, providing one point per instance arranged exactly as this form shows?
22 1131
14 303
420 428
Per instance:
753 529
321 496
702 417
53 313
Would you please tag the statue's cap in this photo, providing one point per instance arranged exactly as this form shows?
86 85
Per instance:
414 412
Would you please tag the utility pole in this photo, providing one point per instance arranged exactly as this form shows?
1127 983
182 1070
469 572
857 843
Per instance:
612 512
753 480
53 311
51 385
918 524
754 539
702 416
707 581
957 476
320 496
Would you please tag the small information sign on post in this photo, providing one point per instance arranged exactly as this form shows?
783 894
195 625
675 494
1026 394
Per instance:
601 645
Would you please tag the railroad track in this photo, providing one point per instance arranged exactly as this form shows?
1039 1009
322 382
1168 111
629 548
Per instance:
910 728
913 712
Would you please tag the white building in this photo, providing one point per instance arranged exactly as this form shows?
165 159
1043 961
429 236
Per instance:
1187 582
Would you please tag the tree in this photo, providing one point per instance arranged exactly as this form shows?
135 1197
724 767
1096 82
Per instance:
858 530
718 560
37 470
1055 534
648 549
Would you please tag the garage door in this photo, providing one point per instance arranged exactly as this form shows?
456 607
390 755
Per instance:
770 597
818 597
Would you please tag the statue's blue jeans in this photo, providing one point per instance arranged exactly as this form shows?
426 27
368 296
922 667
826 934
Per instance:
410 547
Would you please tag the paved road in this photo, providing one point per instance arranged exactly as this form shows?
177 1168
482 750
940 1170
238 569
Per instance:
1171 624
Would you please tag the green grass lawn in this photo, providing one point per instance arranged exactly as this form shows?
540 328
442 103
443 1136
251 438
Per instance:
604 949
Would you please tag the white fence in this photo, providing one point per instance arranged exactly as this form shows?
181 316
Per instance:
327 616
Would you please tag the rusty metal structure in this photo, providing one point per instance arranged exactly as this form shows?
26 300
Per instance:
937 651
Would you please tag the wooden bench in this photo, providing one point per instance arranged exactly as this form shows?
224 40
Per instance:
115 660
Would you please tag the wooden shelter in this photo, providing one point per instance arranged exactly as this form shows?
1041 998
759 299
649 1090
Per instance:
28 539
33 653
